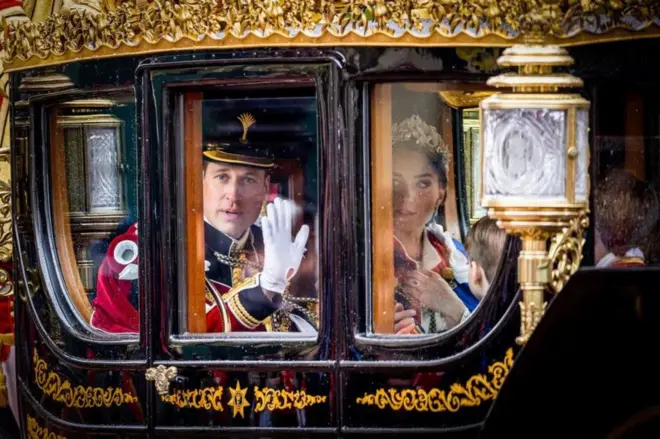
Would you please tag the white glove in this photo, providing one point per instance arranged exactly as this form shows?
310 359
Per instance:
282 256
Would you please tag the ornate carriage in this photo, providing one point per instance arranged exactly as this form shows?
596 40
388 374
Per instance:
109 108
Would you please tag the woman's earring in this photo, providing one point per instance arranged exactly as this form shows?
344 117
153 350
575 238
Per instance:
263 209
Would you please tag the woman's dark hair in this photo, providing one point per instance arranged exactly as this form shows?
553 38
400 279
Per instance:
437 158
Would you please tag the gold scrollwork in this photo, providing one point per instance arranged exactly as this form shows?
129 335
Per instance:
36 431
123 26
76 396
208 398
6 246
474 392
277 399
565 252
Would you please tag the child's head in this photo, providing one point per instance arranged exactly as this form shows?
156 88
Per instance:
485 244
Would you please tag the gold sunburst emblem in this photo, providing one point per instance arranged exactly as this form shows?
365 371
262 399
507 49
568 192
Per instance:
247 120
238 400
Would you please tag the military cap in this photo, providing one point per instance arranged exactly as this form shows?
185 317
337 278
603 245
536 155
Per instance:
239 149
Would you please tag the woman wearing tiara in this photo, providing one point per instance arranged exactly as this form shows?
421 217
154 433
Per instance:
432 293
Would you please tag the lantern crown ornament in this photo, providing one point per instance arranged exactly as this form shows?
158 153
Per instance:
535 167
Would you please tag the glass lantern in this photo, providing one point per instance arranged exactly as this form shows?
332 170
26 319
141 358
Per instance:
91 138
535 163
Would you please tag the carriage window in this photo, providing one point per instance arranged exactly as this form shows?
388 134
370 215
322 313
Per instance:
250 200
93 171
424 282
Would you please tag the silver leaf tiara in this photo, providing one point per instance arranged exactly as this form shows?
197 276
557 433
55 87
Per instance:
422 134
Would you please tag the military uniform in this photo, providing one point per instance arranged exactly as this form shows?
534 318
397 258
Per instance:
235 299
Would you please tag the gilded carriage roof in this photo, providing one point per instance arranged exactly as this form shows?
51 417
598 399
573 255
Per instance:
105 28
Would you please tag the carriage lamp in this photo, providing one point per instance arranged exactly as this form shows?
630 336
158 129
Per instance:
91 180
534 175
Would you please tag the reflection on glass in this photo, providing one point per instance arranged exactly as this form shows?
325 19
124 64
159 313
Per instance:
429 289
471 164
258 167
432 294
94 205
485 245
626 206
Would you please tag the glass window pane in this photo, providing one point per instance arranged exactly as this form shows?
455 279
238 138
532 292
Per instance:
251 210
94 172
422 278
626 206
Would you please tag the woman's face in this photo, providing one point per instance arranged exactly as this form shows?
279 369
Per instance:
416 190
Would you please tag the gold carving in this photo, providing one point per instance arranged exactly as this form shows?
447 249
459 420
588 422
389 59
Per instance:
566 252
36 431
208 398
161 376
277 399
4 392
6 247
479 388
72 396
137 26
530 316
237 400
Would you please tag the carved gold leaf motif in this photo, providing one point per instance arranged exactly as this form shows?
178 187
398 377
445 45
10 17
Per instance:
278 399
36 431
127 24
64 392
565 252
474 392
208 398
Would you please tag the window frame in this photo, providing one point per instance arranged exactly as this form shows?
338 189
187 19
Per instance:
279 71
363 333
45 227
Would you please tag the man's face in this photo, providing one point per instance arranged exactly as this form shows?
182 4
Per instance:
233 196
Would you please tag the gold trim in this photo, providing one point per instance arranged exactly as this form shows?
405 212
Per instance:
279 399
241 314
36 431
208 398
473 393
88 103
464 99
238 400
133 27
238 159
63 391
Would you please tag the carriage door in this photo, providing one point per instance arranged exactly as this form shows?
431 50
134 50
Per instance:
79 336
240 156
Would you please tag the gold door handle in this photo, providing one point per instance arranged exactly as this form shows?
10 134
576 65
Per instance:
161 376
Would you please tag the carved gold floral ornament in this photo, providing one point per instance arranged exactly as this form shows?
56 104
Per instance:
122 27
265 399
72 396
474 392
36 431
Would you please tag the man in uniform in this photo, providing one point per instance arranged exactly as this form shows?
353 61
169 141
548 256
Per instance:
248 269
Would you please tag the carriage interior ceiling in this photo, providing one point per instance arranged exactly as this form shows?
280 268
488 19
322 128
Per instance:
314 218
